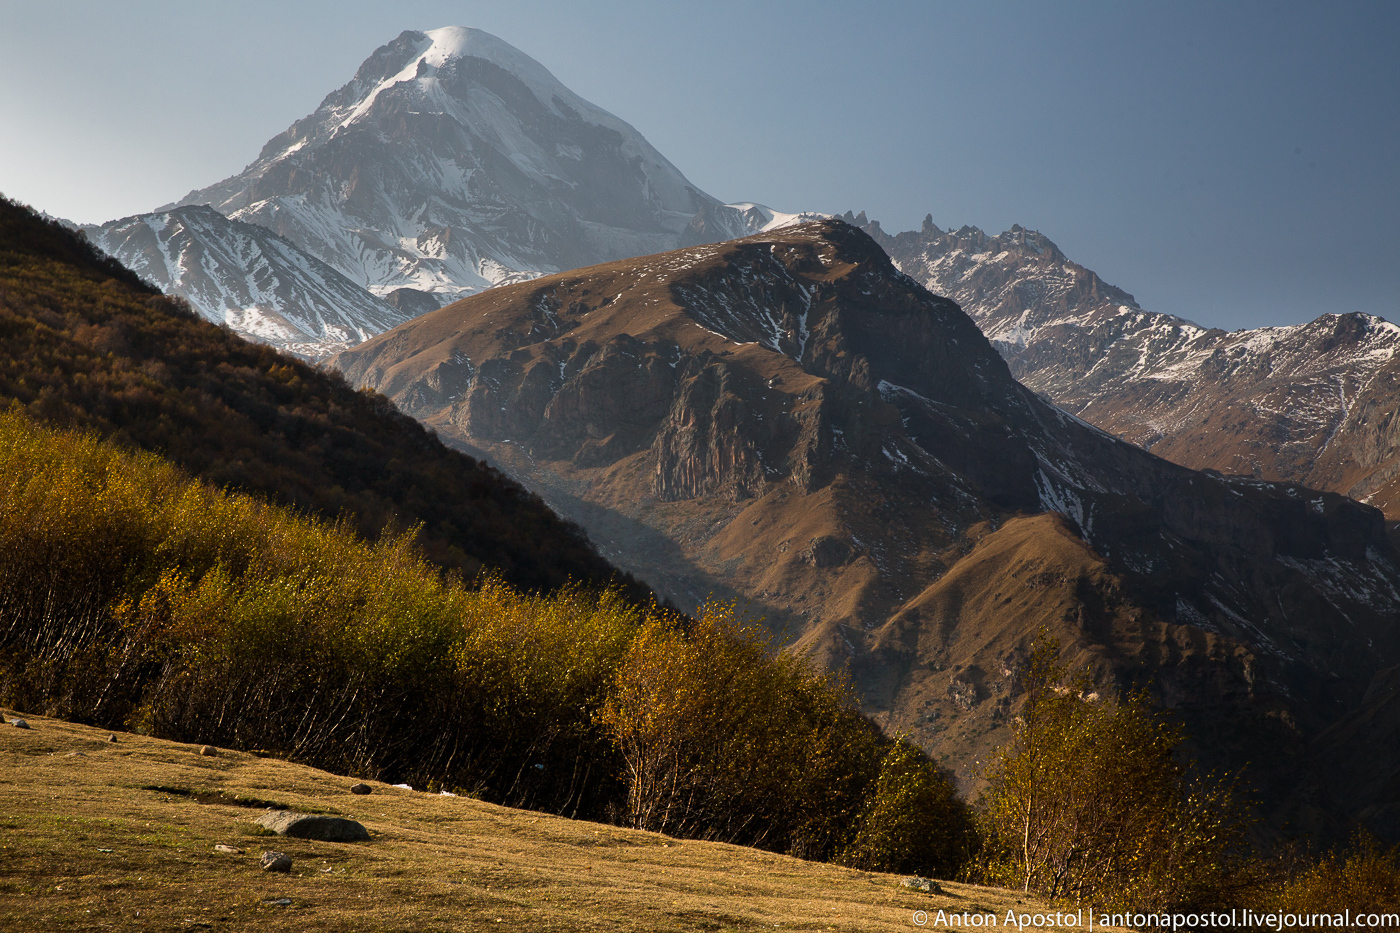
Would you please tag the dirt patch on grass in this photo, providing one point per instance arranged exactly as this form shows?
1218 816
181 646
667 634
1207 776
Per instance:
223 799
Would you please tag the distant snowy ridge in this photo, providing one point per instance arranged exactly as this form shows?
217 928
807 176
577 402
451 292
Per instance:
1309 403
247 277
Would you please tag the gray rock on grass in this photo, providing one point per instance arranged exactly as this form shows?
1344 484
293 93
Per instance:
927 885
361 788
306 826
19 723
276 861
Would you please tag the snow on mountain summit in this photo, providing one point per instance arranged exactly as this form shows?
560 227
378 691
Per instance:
452 162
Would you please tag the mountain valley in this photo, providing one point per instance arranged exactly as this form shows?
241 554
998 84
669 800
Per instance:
789 421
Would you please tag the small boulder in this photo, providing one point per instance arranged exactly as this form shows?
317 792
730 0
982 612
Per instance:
228 850
361 789
276 861
112 737
208 751
19 723
927 885
306 826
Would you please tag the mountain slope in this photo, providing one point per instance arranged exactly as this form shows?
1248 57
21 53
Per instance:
1311 403
789 420
452 162
247 277
84 342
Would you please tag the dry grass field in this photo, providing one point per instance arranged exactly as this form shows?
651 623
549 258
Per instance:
100 835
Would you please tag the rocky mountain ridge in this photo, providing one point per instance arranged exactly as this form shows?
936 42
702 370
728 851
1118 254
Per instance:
1311 403
790 421
87 344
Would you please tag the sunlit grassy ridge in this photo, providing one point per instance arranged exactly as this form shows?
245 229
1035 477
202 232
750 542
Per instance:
132 594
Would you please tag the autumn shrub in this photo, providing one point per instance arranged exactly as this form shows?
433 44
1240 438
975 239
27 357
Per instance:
912 822
1091 801
1361 877
132 595
723 739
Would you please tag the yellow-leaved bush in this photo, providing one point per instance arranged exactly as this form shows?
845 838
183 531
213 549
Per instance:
1090 802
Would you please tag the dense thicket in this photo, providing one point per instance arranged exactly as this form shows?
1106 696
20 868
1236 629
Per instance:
722 741
130 594
84 343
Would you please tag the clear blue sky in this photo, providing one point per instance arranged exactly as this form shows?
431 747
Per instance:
1234 163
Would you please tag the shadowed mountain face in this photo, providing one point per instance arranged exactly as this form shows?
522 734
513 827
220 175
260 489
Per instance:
790 421
1313 403
452 162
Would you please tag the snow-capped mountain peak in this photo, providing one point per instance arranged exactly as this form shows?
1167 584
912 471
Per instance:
1308 403
452 162
437 48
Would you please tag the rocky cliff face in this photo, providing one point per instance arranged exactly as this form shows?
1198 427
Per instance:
249 278
453 162
790 421
1313 403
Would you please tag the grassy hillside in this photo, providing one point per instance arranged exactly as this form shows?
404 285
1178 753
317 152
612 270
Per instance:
84 343
87 846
